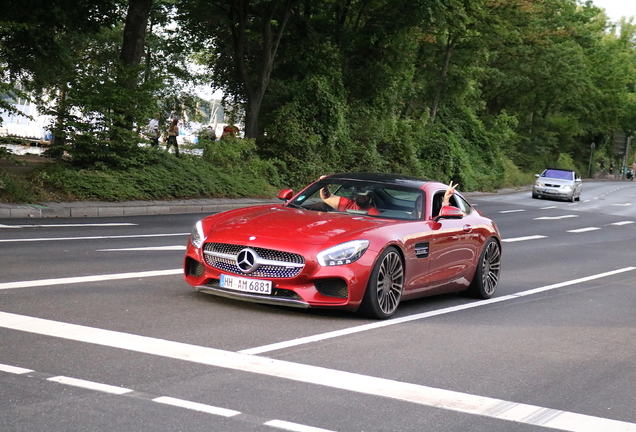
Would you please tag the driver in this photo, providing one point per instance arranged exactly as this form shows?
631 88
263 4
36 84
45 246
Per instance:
362 200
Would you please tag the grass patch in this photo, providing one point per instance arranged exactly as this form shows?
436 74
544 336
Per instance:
164 177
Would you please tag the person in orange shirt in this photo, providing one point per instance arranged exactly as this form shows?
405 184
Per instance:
362 200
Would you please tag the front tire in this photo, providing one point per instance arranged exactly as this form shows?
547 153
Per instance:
486 277
385 286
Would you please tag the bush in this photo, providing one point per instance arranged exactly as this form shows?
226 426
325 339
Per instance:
165 177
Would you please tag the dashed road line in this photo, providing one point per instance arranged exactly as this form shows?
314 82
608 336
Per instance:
149 248
84 279
165 400
90 385
512 211
518 239
582 230
294 427
195 406
622 223
112 224
21 240
14 369
556 217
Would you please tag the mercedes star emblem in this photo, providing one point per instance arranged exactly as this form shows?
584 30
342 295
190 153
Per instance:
246 260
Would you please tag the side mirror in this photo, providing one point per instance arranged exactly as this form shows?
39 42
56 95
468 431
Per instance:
285 194
578 179
537 175
449 212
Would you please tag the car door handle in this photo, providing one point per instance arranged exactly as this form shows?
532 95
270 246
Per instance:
468 228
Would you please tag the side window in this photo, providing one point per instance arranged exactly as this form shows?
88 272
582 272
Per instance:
438 198
462 204
455 201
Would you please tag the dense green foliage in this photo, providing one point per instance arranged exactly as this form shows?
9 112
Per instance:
483 92
231 174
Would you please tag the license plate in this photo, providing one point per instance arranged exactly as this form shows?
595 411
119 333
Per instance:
246 285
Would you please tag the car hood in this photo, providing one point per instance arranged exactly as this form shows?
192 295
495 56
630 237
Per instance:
289 224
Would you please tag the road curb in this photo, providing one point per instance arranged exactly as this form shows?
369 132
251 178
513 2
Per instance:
102 209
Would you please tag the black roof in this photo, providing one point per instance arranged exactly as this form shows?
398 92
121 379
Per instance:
397 179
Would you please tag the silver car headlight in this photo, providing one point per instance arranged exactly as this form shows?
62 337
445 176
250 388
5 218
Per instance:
196 237
539 184
566 187
342 254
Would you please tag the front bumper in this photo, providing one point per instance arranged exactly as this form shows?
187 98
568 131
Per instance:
545 191
340 287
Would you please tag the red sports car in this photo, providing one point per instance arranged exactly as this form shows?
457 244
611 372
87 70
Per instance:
361 242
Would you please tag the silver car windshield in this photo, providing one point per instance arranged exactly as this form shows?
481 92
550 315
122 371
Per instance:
558 174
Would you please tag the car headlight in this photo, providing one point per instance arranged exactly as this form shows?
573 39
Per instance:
196 237
539 184
566 187
342 254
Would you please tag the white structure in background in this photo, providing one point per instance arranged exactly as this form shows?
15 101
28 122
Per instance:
21 126
33 126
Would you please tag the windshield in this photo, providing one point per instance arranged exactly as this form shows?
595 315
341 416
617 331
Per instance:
558 174
361 197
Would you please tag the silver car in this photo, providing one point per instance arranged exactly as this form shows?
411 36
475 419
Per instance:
557 183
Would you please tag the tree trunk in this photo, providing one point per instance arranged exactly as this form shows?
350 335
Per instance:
450 46
132 48
255 91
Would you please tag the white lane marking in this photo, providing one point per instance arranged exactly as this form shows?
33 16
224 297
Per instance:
548 208
622 205
622 223
556 217
195 406
150 248
295 427
573 282
518 239
69 225
582 230
375 325
14 369
20 240
166 400
82 279
512 211
365 327
364 384
105 388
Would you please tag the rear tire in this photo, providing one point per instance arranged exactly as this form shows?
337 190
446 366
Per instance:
486 277
384 289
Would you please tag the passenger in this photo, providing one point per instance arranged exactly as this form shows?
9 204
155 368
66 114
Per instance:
362 200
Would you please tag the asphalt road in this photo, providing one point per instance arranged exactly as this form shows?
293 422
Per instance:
98 332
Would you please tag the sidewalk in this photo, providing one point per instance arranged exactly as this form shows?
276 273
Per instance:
128 208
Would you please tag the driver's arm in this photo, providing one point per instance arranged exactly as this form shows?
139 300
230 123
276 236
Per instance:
327 197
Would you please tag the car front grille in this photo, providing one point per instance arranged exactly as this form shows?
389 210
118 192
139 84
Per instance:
271 263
